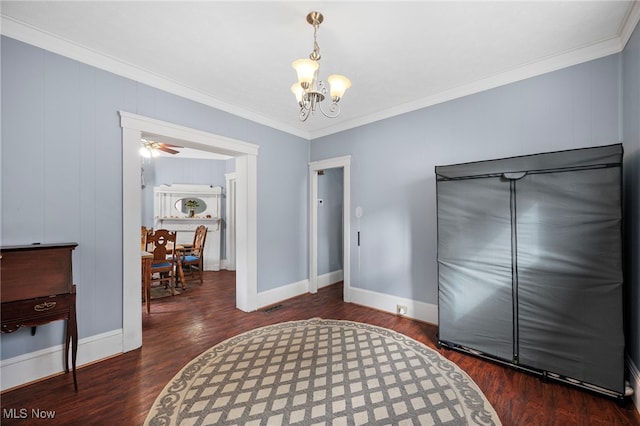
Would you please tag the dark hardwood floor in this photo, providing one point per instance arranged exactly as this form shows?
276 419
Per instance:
120 390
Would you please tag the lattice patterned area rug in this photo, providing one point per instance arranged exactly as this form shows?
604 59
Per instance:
321 372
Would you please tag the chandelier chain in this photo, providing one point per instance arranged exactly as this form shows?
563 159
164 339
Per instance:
315 55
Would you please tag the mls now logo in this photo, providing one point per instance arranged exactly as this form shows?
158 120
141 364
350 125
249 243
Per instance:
23 413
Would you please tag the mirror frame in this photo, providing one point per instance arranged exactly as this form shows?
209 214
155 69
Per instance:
180 205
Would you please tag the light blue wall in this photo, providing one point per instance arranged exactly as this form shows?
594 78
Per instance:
62 178
393 162
330 190
61 153
631 134
169 171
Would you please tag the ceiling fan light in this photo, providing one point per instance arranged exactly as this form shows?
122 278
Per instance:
339 84
145 152
297 90
306 70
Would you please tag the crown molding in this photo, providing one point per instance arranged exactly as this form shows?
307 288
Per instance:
36 37
53 43
544 66
554 63
630 23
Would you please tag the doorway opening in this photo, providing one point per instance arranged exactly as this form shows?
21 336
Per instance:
314 168
245 154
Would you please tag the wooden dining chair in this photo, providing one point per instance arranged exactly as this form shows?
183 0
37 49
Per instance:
163 263
192 257
144 233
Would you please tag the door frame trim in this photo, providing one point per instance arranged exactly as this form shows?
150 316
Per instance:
133 126
337 162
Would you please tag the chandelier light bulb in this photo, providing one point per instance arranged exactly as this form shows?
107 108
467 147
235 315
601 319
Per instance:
338 85
306 70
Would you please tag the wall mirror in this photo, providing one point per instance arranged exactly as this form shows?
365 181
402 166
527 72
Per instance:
190 205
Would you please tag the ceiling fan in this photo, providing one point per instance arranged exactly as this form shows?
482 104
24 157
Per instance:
150 148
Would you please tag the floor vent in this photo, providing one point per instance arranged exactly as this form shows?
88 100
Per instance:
273 308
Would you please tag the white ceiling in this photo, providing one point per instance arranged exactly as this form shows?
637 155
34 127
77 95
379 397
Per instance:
400 56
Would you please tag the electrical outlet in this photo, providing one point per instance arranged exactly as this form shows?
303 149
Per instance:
401 310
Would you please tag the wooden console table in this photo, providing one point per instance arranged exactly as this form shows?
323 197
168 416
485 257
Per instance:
37 288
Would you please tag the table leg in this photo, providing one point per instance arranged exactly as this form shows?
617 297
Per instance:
71 338
74 340
180 270
146 279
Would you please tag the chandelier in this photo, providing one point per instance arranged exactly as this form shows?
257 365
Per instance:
309 91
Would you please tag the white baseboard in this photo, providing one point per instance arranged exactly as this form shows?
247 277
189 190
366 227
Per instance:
325 280
33 366
417 310
224 264
271 297
426 312
213 266
276 295
634 381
